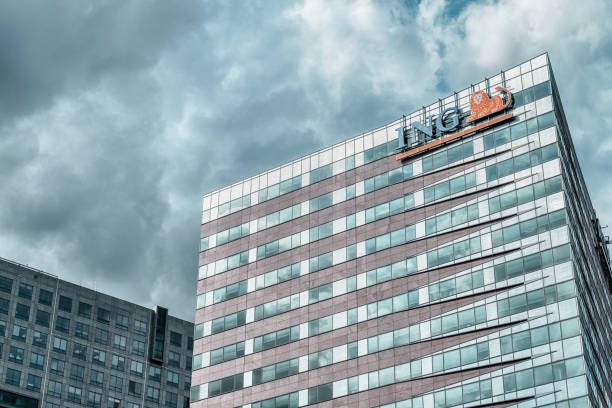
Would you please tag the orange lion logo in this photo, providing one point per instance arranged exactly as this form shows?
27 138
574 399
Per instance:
483 106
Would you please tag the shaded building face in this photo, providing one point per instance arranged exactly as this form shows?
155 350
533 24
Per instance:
467 267
63 345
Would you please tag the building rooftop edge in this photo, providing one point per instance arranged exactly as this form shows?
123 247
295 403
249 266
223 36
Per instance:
23 266
350 138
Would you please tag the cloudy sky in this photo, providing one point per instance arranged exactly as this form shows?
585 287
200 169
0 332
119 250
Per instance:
115 117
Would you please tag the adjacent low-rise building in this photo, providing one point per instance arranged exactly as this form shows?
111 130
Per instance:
64 345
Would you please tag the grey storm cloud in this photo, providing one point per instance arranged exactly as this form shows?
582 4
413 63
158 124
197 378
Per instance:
115 117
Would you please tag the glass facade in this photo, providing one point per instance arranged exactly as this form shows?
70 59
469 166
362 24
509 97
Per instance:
474 273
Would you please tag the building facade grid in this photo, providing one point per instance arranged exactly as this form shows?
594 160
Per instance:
64 345
472 274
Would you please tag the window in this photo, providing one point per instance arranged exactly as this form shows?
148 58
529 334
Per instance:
188 364
118 363
81 330
54 388
176 339
2 328
172 378
37 360
119 342
39 339
154 373
132 405
51 405
57 367
174 359
16 355
74 394
43 318
79 351
34 382
6 284
115 383
22 312
171 399
136 368
152 394
25 290
65 304
189 343
187 385
96 378
101 336
122 321
59 345
116 403
138 348
85 310
94 399
13 377
77 372
45 297
104 316
158 348
140 327
4 306
135 389
98 357
19 333
62 324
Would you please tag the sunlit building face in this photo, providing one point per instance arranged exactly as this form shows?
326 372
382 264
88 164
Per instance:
450 257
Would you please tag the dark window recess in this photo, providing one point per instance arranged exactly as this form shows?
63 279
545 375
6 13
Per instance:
176 339
25 291
104 316
82 330
43 318
135 389
65 304
79 351
22 312
101 336
4 306
158 320
45 297
85 310
62 324
13 377
6 284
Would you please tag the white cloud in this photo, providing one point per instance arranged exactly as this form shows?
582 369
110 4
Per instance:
106 152
344 42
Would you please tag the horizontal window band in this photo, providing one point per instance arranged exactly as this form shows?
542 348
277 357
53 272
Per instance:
437 291
539 375
429 195
466 352
435 257
306 297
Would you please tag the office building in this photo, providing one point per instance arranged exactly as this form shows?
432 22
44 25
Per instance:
63 345
450 258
